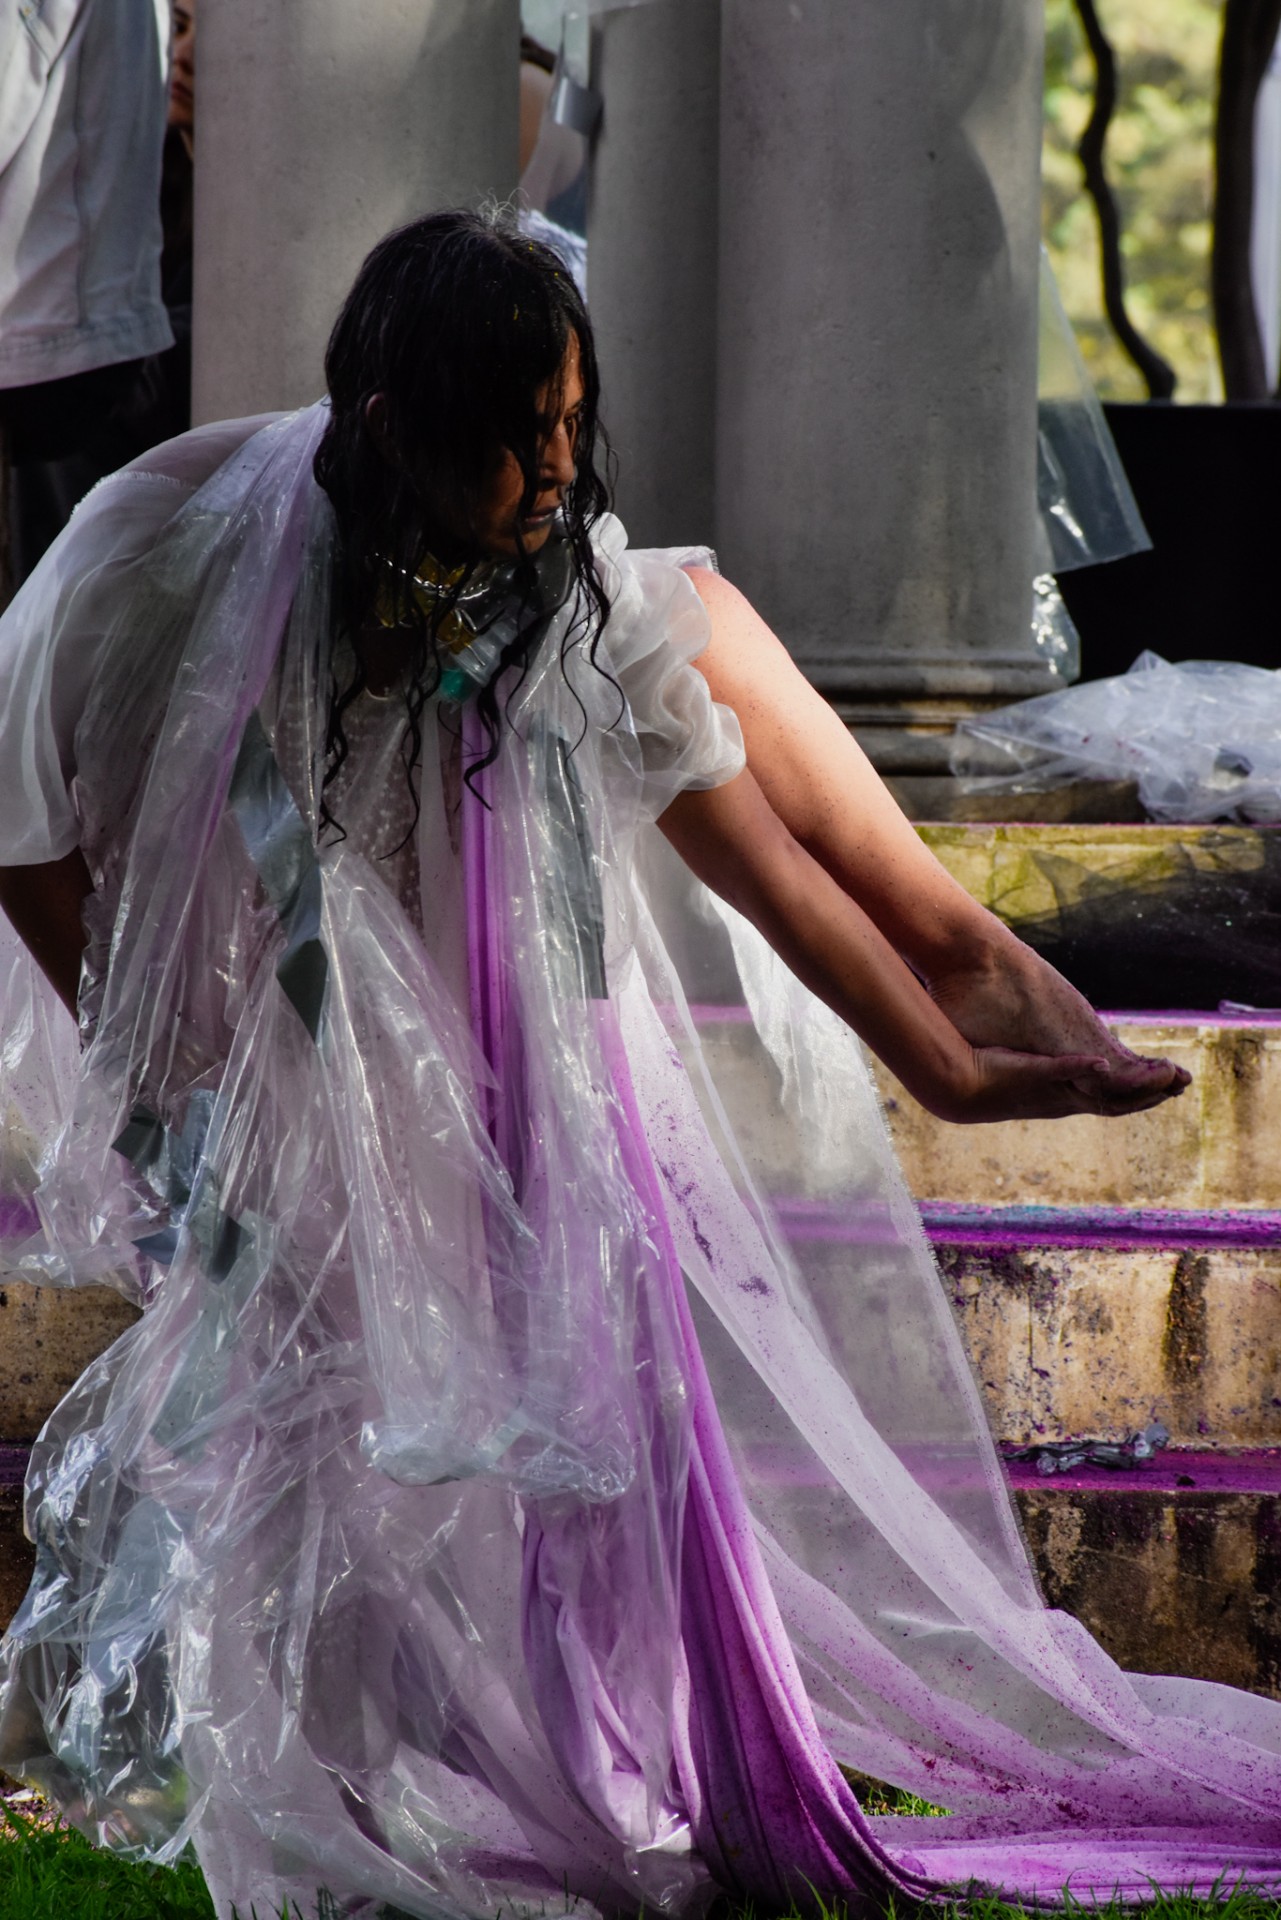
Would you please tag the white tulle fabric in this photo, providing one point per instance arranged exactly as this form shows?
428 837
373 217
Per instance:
547 1455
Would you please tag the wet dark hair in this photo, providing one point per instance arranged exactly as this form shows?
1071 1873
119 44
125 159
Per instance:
460 320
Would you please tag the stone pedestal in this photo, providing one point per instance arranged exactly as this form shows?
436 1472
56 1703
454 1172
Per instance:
860 432
319 127
876 426
652 223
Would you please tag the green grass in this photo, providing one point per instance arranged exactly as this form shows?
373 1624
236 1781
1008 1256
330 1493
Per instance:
51 1872
875 1797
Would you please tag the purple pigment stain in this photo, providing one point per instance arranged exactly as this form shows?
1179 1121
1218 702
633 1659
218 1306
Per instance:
1175 1471
18 1217
961 1223
964 1224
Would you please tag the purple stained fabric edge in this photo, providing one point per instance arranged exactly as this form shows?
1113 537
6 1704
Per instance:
771 1811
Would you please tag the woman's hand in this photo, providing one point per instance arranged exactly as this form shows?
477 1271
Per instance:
736 844
1001 1084
1008 996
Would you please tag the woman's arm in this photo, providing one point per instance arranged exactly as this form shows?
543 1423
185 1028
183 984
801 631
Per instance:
44 904
822 786
735 842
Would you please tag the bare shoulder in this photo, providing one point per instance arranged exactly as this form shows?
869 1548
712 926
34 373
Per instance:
743 654
715 590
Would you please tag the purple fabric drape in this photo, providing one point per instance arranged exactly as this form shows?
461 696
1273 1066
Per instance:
768 1807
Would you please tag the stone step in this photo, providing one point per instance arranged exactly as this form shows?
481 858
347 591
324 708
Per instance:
1152 1289
48 1336
1175 1567
1097 1321
1085 1318
932 798
1135 916
17 1555
1076 1321
1213 1147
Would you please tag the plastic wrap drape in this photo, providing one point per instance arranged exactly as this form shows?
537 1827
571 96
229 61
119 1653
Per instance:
546 1456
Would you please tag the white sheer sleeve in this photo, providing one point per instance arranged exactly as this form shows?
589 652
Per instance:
657 626
51 635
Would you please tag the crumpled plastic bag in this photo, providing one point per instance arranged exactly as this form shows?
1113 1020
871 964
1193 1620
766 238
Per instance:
1201 738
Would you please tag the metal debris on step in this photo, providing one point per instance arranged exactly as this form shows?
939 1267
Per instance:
1065 1456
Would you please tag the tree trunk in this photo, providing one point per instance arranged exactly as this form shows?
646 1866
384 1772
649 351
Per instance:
1157 372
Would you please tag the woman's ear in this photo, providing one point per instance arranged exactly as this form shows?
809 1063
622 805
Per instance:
376 421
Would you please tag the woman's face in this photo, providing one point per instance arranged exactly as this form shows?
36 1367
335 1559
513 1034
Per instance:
500 520
182 63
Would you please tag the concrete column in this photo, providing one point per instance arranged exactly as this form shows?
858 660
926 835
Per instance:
652 259
876 427
320 124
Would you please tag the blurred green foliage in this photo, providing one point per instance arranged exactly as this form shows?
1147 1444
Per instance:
1160 163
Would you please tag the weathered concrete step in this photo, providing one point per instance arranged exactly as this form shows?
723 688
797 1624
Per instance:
931 798
1212 1147
1076 1321
1135 915
1097 1321
48 1336
17 1555
1175 1567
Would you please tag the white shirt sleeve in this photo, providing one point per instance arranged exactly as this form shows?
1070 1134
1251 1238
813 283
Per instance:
83 85
657 626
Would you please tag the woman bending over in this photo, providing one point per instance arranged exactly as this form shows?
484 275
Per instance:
545 1457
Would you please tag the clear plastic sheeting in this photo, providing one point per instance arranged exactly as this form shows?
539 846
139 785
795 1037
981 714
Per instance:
38 1057
1088 510
1201 738
1054 633
546 1455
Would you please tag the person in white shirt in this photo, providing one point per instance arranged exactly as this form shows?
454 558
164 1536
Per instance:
83 100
